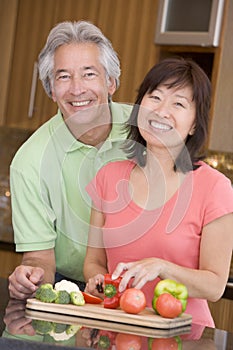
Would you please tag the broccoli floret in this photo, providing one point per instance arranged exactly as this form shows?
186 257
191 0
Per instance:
63 297
77 298
42 327
46 293
59 327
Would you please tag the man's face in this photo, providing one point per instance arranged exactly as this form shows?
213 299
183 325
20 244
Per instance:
80 82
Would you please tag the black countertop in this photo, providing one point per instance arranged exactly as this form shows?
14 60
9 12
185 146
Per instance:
18 333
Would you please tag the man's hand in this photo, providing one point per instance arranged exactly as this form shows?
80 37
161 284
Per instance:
36 268
24 281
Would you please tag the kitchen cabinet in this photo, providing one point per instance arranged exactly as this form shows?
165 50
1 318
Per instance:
132 37
33 21
130 25
221 133
217 63
27 105
8 14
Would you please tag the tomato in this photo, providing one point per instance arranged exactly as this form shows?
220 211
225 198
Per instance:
128 342
165 344
133 301
168 306
91 299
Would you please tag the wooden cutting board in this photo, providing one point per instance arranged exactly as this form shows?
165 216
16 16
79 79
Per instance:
147 318
107 325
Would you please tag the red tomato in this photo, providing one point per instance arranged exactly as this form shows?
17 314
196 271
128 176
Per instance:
168 306
128 342
164 344
133 301
91 299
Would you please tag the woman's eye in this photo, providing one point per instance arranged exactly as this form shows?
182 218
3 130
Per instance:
155 97
179 104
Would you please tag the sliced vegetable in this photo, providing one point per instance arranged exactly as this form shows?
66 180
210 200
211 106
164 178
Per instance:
91 299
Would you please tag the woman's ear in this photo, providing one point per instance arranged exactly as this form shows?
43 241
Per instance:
192 130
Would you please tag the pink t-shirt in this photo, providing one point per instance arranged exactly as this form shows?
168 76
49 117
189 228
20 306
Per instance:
172 232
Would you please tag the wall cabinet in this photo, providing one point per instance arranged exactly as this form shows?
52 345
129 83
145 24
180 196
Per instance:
130 25
132 37
27 105
216 61
34 20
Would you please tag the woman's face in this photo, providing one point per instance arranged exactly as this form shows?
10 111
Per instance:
167 116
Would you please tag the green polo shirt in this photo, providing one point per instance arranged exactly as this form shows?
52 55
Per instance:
48 176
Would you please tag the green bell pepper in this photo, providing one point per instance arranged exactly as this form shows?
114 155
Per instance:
178 290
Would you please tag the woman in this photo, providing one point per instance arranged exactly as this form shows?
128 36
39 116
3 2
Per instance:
164 213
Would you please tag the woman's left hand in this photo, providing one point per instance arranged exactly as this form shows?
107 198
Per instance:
140 271
93 284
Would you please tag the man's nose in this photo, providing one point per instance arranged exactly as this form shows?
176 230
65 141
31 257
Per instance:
77 86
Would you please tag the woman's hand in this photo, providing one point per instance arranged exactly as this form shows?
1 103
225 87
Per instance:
140 272
94 285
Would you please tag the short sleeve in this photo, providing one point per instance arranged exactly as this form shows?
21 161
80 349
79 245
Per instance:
219 200
34 225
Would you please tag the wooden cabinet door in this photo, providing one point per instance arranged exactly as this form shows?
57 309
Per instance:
28 106
34 21
76 10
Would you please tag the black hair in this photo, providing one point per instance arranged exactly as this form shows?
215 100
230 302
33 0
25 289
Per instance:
174 72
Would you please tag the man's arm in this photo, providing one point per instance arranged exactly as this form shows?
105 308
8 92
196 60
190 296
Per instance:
36 268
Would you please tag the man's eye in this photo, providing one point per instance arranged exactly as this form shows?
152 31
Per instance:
63 77
90 75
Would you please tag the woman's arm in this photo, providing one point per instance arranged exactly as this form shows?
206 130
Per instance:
95 263
209 281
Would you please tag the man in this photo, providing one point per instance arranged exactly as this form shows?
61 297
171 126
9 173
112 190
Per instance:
50 208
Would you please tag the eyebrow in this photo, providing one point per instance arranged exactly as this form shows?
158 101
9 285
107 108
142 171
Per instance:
183 97
177 95
82 68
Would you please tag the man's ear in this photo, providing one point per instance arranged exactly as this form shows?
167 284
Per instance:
53 95
111 86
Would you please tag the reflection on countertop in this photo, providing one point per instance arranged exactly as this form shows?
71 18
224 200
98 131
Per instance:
10 140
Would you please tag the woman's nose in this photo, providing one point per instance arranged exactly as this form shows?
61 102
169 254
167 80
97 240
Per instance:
162 109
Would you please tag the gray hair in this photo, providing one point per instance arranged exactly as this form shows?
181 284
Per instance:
76 32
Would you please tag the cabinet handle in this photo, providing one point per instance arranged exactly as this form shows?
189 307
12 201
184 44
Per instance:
33 90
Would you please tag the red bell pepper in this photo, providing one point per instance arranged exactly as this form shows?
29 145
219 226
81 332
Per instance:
111 292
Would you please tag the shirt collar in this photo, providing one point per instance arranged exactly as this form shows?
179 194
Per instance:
69 143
